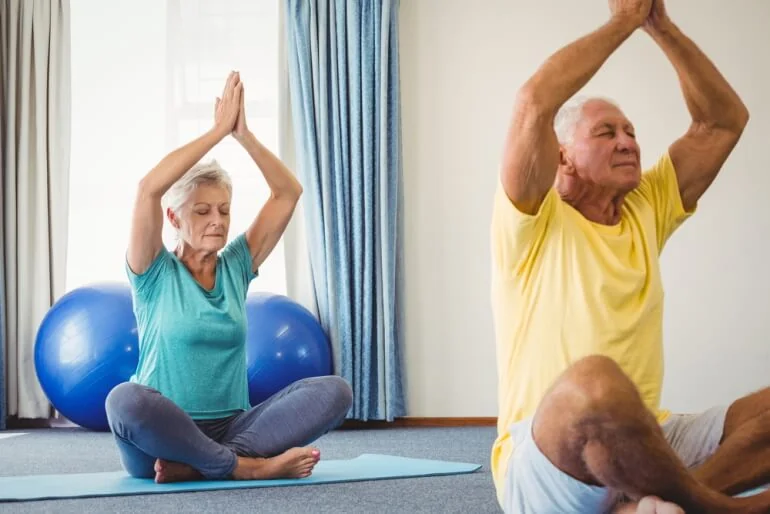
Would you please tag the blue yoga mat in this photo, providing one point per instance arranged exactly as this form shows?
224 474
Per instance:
118 483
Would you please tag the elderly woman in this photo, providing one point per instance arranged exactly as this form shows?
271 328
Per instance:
185 413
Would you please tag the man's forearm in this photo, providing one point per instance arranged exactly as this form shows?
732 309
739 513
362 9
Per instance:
570 68
710 99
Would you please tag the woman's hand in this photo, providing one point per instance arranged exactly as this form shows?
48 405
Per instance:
240 131
227 107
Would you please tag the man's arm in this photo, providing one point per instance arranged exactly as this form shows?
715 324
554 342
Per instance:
531 153
718 114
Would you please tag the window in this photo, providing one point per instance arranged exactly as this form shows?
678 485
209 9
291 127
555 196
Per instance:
145 75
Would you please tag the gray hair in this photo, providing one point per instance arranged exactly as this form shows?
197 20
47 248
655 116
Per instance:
202 173
569 115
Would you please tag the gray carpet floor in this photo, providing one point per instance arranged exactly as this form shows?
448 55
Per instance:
73 450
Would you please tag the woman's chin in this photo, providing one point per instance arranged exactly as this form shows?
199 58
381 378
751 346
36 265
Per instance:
213 243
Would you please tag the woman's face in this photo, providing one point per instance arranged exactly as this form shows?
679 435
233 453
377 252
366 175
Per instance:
204 220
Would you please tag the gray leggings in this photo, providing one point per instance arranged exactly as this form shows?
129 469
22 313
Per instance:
147 426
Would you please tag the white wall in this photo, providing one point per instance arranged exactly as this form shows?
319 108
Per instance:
461 65
147 88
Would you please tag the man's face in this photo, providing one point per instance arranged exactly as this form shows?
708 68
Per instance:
604 150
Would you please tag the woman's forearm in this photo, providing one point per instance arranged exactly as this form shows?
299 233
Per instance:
178 162
279 178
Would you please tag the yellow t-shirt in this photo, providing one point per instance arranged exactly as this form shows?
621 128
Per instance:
564 287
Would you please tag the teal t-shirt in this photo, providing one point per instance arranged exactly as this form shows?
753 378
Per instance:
192 341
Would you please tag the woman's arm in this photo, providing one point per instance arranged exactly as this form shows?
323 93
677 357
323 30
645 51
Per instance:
271 221
145 240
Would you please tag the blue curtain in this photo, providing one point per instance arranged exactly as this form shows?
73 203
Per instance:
3 411
344 82
3 299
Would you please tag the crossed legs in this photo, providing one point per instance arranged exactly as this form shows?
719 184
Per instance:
594 427
742 460
156 438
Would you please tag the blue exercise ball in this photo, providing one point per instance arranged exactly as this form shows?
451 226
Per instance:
87 344
285 343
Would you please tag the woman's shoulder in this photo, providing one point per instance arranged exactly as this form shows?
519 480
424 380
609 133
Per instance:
162 266
236 256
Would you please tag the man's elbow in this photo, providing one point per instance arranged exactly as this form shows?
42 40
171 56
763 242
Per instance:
742 117
533 102
733 120
737 118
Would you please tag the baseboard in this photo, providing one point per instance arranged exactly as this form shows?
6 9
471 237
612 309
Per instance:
14 423
353 424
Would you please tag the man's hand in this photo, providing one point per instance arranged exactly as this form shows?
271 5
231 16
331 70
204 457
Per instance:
717 112
633 11
531 152
648 505
657 18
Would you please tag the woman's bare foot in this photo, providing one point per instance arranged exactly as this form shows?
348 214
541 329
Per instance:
167 471
649 505
293 463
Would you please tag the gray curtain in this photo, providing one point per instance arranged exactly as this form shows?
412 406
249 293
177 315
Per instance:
34 153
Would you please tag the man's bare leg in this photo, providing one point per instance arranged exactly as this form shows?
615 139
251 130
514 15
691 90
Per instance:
593 426
742 460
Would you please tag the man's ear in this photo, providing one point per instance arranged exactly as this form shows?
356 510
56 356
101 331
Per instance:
565 163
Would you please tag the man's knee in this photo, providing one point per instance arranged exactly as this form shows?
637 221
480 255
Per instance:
591 398
593 390
596 381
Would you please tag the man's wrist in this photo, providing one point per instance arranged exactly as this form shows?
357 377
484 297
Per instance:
624 25
662 28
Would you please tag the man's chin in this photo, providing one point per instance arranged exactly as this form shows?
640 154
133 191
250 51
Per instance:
630 182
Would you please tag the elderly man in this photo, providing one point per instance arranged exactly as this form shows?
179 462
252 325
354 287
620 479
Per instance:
576 233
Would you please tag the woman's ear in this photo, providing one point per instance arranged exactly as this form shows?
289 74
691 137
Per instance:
172 218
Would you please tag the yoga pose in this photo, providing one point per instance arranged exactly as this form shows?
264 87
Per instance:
185 413
577 230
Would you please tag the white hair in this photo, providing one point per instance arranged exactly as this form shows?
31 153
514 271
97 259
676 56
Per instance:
569 115
202 173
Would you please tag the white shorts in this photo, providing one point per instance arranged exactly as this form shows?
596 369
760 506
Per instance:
533 485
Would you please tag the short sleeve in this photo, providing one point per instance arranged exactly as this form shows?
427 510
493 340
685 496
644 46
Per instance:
659 186
144 284
237 258
516 235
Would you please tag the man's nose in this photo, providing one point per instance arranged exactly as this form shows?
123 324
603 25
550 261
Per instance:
627 143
